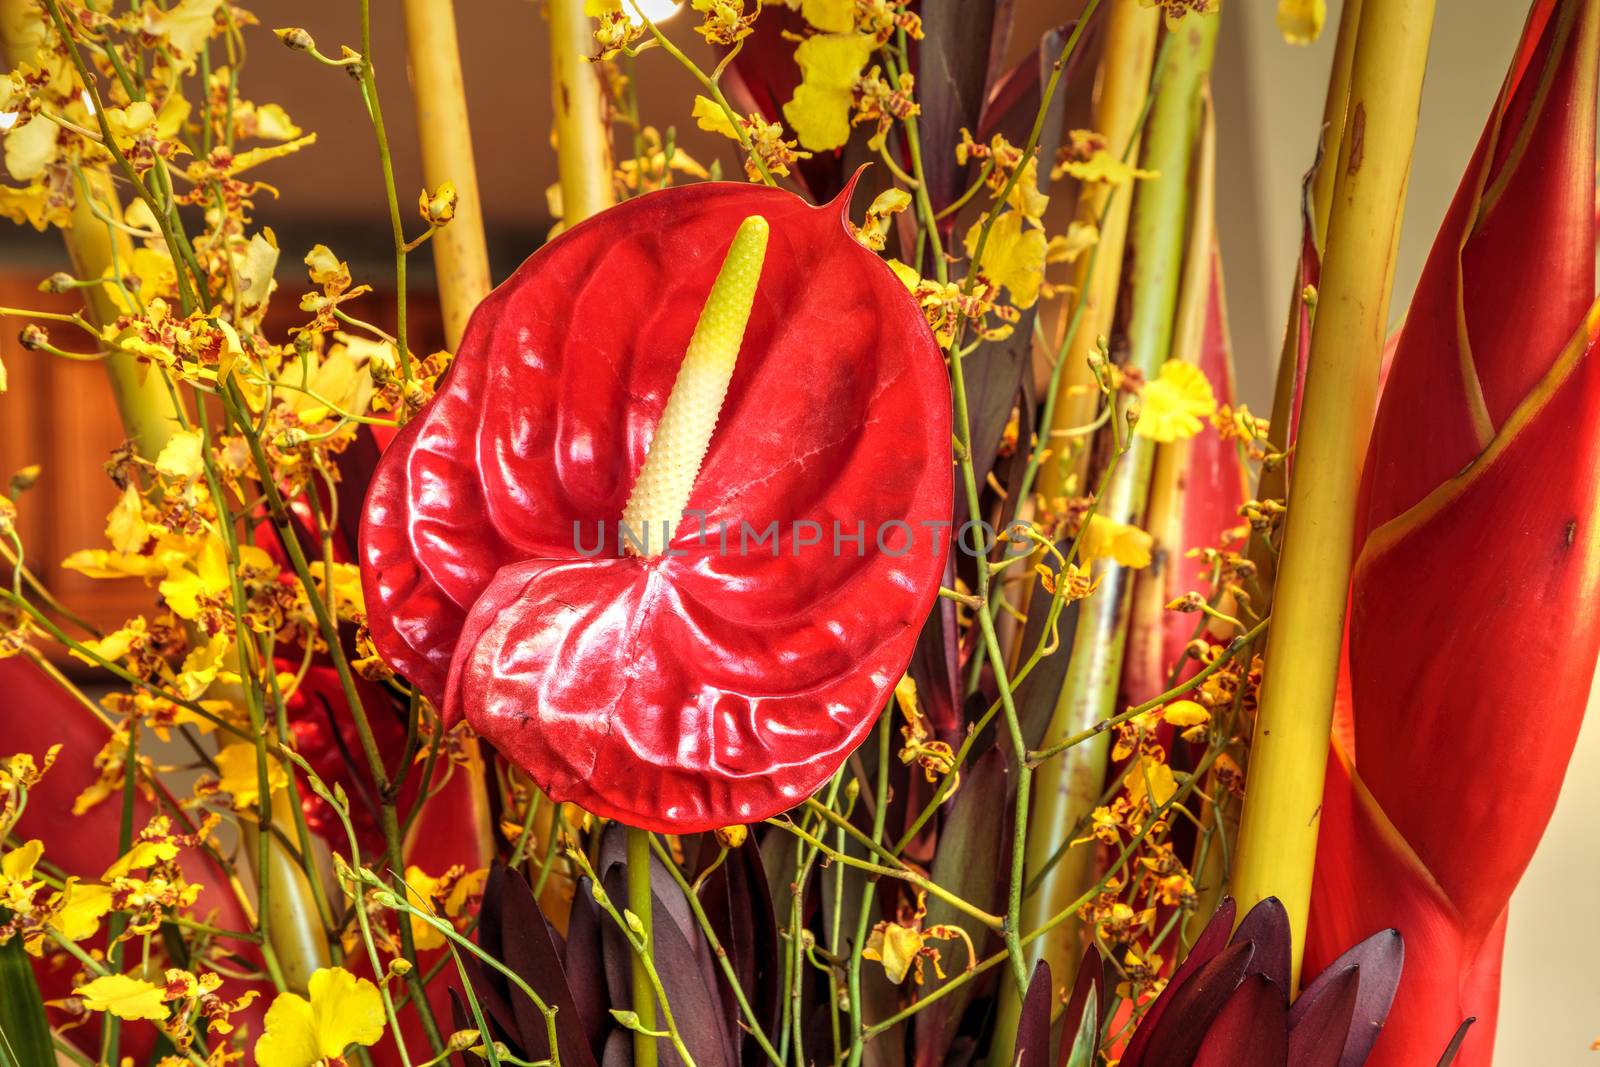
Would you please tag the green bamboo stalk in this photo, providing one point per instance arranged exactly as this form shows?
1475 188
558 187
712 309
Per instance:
1288 759
645 1052
1069 786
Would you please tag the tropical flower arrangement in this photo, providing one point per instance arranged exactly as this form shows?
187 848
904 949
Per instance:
837 615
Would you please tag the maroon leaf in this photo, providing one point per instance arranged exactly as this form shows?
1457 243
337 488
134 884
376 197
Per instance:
1319 1021
1211 942
968 863
1379 960
1088 995
1267 925
1032 1048
1252 1030
737 903
1178 1031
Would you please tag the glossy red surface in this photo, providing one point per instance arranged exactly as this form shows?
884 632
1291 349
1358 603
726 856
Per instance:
1472 632
721 683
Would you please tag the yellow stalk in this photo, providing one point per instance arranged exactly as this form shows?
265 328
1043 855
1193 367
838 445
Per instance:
460 257
1274 483
583 140
656 503
1288 758
1212 874
95 249
1124 83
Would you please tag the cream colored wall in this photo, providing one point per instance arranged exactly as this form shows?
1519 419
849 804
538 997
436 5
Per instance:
1269 95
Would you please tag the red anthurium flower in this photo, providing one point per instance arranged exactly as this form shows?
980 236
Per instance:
1472 630
725 679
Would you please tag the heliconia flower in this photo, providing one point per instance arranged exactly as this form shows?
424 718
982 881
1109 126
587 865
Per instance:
1472 634
723 680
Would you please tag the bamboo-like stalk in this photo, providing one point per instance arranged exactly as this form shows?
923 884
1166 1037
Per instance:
1124 83
583 142
1211 872
460 254
95 249
1274 482
1069 785
297 934
1278 835
640 906
1145 671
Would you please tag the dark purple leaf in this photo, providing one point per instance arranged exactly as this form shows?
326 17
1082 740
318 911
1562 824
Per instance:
1380 959
1267 925
1252 1030
1177 1033
1319 1021
968 863
514 931
739 908
1211 942
1455 1042
1087 999
1032 1048
952 63
583 958
994 372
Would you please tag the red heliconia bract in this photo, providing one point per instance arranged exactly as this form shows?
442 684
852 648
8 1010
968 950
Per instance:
724 681
1472 632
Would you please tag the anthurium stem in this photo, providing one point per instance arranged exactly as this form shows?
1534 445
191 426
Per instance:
1069 787
683 436
1288 759
645 1053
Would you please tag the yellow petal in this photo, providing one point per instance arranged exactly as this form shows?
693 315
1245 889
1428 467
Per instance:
125 526
17 864
829 63
1012 257
181 457
142 855
420 888
289 1038
1102 166
273 124
1300 21
1079 238
127 123
30 148
1152 780
1185 713
831 16
124 997
1124 544
345 1010
82 908
236 767
186 26
709 116
1174 405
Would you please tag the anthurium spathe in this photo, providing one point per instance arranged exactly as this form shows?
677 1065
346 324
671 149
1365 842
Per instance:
720 681
1472 629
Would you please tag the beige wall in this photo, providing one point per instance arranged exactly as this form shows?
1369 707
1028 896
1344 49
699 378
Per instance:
1269 95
